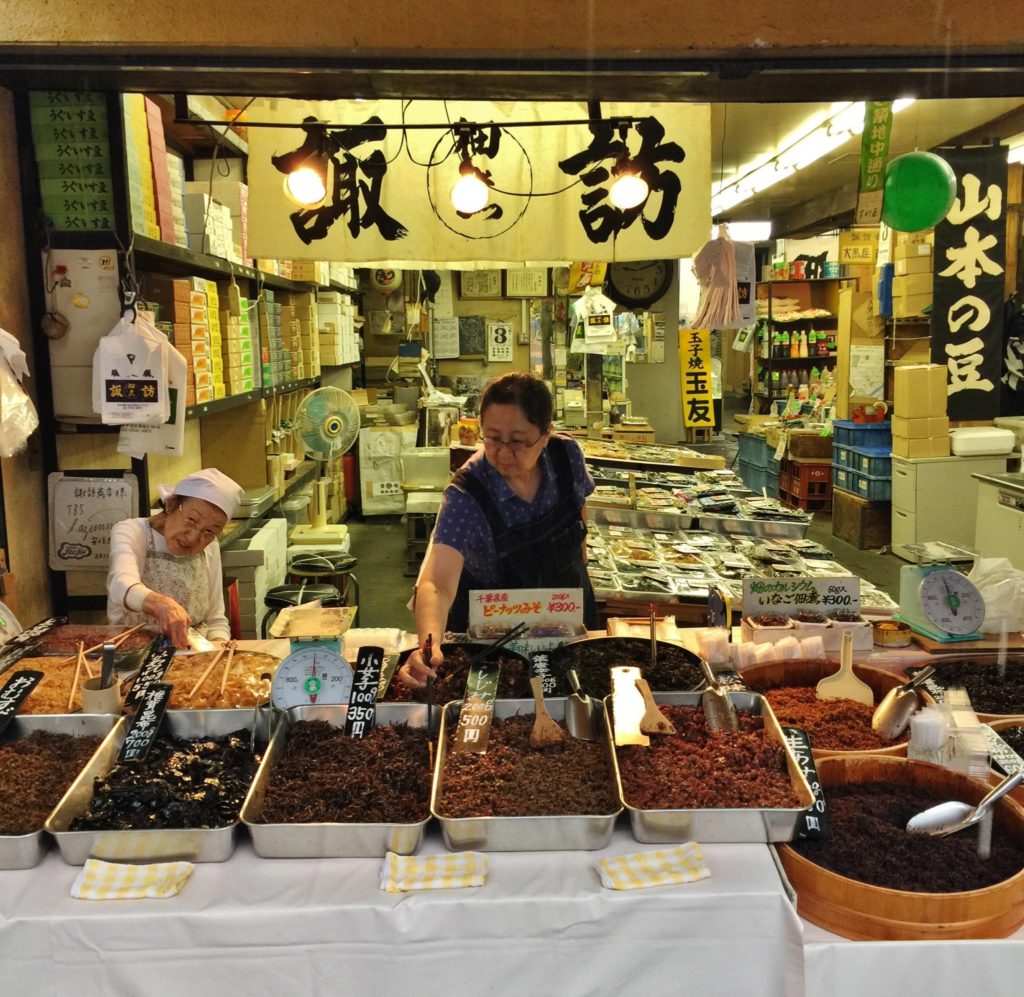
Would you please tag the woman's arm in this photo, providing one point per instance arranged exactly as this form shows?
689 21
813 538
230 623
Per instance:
435 593
124 574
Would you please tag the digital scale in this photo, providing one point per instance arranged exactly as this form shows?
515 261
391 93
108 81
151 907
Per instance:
939 602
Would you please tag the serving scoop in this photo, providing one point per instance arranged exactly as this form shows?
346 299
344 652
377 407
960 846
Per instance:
843 684
893 713
582 712
951 816
718 709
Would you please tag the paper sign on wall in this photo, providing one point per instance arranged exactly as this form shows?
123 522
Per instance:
83 509
446 337
695 377
499 341
788 595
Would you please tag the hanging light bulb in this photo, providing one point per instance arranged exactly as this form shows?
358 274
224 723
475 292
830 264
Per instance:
471 192
630 190
306 186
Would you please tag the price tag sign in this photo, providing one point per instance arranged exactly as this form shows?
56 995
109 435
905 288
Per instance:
540 665
813 822
152 671
538 607
11 653
362 701
14 693
1002 754
146 724
789 595
474 728
32 634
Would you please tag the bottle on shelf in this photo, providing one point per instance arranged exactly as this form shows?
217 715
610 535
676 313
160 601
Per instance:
822 344
803 345
812 343
832 344
794 345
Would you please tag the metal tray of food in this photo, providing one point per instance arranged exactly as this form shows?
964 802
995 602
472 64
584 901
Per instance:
23 851
644 519
158 845
283 841
726 825
789 529
575 832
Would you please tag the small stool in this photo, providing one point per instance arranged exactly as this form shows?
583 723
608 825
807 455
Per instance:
327 566
287 596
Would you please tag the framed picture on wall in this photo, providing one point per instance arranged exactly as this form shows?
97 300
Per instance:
528 282
479 283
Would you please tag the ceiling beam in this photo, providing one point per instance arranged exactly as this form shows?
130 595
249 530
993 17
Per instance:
832 209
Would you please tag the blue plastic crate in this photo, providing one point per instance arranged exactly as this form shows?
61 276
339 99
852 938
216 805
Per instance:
873 489
753 450
842 477
772 484
755 478
873 461
774 466
842 456
862 434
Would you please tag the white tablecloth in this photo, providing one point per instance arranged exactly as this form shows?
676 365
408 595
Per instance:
838 967
302 926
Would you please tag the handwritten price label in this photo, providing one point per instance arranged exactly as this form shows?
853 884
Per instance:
792 594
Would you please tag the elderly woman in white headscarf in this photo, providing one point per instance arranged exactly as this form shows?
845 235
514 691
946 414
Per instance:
166 569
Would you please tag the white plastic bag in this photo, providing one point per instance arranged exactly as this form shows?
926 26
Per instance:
1002 587
136 439
129 380
18 418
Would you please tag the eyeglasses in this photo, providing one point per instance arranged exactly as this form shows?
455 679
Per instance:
514 447
192 525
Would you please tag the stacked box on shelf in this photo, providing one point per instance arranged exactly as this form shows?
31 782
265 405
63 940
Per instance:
337 331
229 229
305 307
216 339
310 271
176 177
161 171
139 166
754 469
258 566
912 279
72 150
289 342
342 273
268 314
240 355
806 483
920 424
202 358
170 299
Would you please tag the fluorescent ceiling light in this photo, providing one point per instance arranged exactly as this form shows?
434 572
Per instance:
819 135
746 231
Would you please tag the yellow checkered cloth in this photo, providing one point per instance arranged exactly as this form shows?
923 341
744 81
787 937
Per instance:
116 881
401 873
638 870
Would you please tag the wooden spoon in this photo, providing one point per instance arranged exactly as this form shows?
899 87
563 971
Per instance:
546 732
653 721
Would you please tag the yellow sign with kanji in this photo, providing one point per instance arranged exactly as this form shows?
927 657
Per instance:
859 246
695 377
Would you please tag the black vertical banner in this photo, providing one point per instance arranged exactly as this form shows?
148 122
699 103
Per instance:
969 283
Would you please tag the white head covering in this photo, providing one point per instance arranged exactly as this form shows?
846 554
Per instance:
210 484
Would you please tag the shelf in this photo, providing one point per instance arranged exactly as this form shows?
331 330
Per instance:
338 286
222 404
782 361
270 390
793 321
805 280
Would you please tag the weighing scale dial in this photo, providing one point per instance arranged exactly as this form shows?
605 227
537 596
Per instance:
311 676
951 601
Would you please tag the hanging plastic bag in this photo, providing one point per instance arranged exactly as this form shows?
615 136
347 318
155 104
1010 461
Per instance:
1002 587
129 379
18 418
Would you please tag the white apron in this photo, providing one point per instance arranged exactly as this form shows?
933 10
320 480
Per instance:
184 579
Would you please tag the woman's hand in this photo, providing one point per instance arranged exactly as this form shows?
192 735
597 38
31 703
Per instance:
416 671
173 620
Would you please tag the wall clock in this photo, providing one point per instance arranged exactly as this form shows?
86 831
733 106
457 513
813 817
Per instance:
635 285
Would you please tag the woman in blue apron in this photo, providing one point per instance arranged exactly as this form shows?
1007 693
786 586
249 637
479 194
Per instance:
165 570
512 517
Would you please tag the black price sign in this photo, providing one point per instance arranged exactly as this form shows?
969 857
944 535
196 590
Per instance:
362 701
11 653
14 693
152 671
474 727
813 822
145 725
540 662
31 635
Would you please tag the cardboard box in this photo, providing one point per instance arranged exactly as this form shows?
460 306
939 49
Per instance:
913 264
919 391
910 305
934 446
913 250
920 429
911 284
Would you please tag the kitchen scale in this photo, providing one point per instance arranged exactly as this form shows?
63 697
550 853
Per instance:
939 602
314 674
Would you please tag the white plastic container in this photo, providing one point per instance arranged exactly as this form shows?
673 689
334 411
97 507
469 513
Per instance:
978 441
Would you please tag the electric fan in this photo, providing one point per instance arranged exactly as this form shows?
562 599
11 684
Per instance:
327 423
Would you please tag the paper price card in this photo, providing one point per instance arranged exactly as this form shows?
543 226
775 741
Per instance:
537 607
789 595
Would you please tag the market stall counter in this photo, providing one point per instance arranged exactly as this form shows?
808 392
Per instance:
542 923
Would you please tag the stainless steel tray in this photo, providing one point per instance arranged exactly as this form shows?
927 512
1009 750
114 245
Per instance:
726 825
163 845
645 519
307 841
583 832
788 529
22 851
